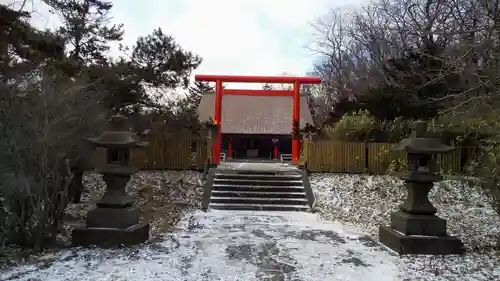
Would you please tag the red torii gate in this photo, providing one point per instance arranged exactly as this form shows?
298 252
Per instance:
220 91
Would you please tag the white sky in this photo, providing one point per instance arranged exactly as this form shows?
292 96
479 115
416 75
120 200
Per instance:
240 37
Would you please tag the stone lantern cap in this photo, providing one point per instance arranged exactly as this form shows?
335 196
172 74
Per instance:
117 135
419 143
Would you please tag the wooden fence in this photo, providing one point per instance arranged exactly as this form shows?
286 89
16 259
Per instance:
165 153
320 156
375 158
328 156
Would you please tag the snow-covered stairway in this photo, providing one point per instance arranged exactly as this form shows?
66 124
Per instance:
229 189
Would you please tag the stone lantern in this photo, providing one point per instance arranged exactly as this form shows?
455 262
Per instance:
414 227
115 221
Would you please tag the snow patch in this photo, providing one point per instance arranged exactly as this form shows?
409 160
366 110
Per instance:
366 202
239 246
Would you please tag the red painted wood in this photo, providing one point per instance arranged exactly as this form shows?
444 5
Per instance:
220 91
242 92
296 118
217 119
257 79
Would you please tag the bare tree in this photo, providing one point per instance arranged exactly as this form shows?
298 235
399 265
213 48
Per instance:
44 118
461 35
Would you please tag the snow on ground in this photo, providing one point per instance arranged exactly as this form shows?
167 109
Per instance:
162 196
273 246
367 201
223 245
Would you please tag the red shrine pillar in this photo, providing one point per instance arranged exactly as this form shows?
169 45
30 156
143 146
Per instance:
296 119
217 119
230 148
219 92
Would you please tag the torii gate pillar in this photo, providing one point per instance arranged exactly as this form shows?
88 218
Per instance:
295 93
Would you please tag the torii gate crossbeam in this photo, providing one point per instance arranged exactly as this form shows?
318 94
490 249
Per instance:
220 91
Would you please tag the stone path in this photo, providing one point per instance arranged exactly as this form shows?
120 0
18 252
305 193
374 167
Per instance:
224 245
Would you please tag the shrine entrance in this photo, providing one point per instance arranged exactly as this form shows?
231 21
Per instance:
296 83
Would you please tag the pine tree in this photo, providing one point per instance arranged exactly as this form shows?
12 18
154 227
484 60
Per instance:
86 28
22 46
196 92
162 62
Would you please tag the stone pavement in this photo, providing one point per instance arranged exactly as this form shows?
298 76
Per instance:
228 245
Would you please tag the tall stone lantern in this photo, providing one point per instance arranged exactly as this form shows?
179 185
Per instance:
415 229
115 221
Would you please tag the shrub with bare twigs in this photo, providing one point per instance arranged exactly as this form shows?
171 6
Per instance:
44 117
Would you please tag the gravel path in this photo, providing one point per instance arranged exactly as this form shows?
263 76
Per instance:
224 245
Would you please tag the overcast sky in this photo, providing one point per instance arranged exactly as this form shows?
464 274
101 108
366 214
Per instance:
246 37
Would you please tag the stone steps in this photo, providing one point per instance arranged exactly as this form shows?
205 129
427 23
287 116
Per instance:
253 176
258 207
257 190
258 200
259 182
252 193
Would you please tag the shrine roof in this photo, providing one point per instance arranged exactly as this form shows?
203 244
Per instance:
254 114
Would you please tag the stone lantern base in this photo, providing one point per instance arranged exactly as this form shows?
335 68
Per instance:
419 234
111 227
115 221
